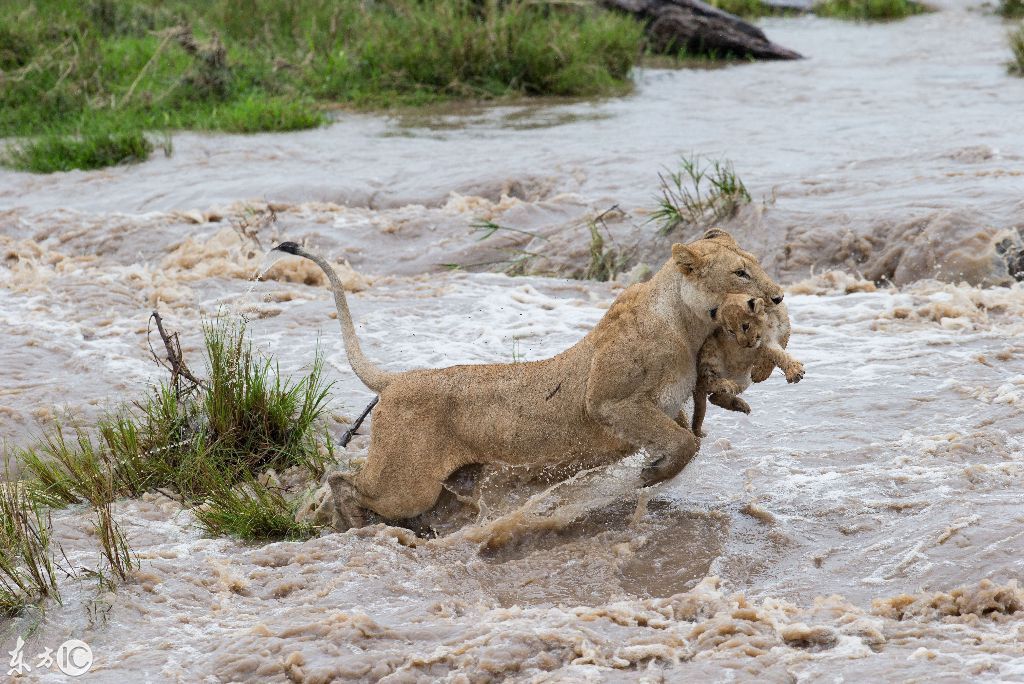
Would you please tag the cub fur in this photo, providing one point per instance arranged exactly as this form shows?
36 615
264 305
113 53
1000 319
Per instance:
749 335
617 391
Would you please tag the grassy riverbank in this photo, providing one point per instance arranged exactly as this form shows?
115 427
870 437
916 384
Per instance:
852 10
89 76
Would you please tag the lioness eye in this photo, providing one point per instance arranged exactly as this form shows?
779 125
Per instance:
741 273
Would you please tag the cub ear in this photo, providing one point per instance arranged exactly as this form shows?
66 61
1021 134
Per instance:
719 234
687 260
756 305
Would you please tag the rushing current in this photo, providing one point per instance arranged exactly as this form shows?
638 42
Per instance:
863 525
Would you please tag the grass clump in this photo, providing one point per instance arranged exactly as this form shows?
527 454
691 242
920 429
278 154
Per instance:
252 511
26 564
201 440
869 10
1016 64
75 67
1011 9
59 152
607 261
699 193
119 557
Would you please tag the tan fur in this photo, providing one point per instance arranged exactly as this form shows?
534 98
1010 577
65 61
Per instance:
749 334
616 391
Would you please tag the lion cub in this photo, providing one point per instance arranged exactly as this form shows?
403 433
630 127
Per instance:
749 338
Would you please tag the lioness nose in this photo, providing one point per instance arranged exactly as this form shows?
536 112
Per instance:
778 300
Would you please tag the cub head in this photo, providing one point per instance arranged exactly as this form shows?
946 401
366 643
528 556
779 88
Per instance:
716 265
743 319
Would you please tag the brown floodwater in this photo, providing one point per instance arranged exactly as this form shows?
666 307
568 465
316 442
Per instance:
864 525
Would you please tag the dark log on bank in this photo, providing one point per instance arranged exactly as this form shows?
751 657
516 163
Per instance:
697 27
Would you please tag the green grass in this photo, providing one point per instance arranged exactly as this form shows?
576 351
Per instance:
27 572
751 9
1016 64
1011 9
607 261
869 10
211 442
699 193
857 10
90 150
252 511
86 73
120 559
201 441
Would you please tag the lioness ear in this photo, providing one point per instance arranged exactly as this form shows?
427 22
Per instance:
719 234
713 312
686 259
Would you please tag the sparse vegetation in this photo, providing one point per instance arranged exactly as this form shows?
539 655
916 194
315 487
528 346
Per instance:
90 76
211 441
27 572
606 260
1016 64
200 440
121 560
699 193
1011 9
869 10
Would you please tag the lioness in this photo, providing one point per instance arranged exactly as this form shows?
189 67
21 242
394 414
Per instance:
618 390
749 337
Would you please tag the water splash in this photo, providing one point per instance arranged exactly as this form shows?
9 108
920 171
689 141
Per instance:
237 304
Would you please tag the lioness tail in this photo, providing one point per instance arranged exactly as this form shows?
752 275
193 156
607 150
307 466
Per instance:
372 376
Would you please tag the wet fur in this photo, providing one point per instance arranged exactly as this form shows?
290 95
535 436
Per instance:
731 356
618 390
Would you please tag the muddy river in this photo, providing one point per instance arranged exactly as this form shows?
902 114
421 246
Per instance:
864 525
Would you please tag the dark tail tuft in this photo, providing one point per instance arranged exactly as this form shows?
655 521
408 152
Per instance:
289 247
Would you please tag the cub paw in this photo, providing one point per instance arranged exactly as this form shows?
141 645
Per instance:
795 372
723 386
740 405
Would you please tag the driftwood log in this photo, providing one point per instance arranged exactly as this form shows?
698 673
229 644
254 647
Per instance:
697 27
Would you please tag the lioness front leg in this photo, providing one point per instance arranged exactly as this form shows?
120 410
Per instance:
643 424
347 511
793 369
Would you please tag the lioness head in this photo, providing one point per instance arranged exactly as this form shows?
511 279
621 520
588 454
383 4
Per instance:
743 318
718 266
